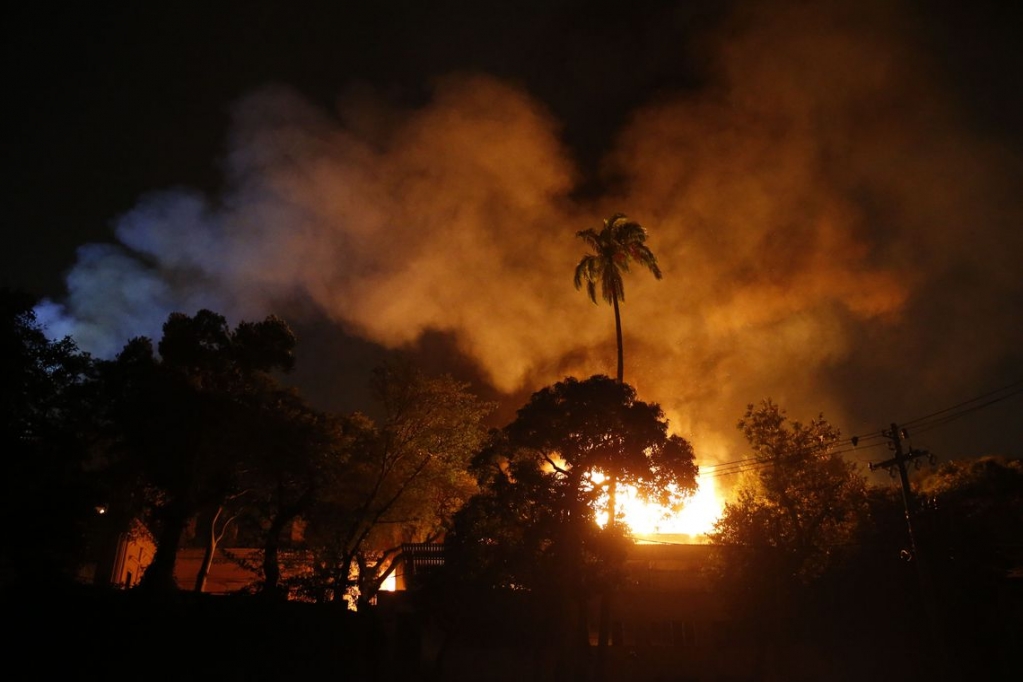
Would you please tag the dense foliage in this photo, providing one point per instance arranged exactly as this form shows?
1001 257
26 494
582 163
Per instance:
46 408
195 440
801 503
544 479
545 476
398 480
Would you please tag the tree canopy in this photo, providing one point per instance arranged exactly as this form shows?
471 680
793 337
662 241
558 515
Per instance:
183 418
400 480
539 489
973 515
802 500
46 414
543 479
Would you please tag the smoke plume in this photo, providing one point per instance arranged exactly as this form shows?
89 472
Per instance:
826 222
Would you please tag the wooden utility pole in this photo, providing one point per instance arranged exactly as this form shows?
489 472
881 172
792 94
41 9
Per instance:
927 587
899 461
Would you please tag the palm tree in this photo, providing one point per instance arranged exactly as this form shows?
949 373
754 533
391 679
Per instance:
615 248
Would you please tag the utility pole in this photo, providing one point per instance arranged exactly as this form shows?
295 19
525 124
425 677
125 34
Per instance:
895 435
927 593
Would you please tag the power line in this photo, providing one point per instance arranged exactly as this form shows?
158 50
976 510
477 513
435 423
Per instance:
935 423
1003 393
953 412
860 443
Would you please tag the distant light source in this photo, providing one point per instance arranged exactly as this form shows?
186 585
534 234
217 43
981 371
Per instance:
101 509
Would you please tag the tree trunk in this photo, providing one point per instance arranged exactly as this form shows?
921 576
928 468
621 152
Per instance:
618 336
159 576
204 568
603 635
286 514
271 561
208 554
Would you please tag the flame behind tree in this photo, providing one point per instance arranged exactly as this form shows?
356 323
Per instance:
534 525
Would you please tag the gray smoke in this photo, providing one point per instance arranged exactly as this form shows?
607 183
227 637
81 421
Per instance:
824 219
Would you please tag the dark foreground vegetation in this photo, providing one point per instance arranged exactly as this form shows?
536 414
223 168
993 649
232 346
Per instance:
812 574
85 632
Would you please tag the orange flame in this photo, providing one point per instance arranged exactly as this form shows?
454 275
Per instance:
696 518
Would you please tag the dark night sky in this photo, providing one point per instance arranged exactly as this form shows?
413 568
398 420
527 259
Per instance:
833 189
115 99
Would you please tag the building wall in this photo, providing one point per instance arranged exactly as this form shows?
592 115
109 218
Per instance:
228 573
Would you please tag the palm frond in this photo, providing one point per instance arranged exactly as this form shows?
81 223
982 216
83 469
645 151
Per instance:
588 271
612 285
614 248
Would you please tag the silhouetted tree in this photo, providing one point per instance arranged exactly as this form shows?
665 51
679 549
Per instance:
973 513
616 247
970 533
801 499
795 516
46 421
296 452
534 524
184 417
400 480
956 598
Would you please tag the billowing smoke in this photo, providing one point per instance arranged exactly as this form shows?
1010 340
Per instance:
823 219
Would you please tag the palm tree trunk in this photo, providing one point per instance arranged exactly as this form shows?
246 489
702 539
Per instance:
604 621
618 335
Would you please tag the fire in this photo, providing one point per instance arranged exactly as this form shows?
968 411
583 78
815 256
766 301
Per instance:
696 518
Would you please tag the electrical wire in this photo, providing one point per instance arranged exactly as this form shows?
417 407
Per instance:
860 443
943 416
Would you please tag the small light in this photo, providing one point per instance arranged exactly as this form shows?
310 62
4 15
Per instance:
101 509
